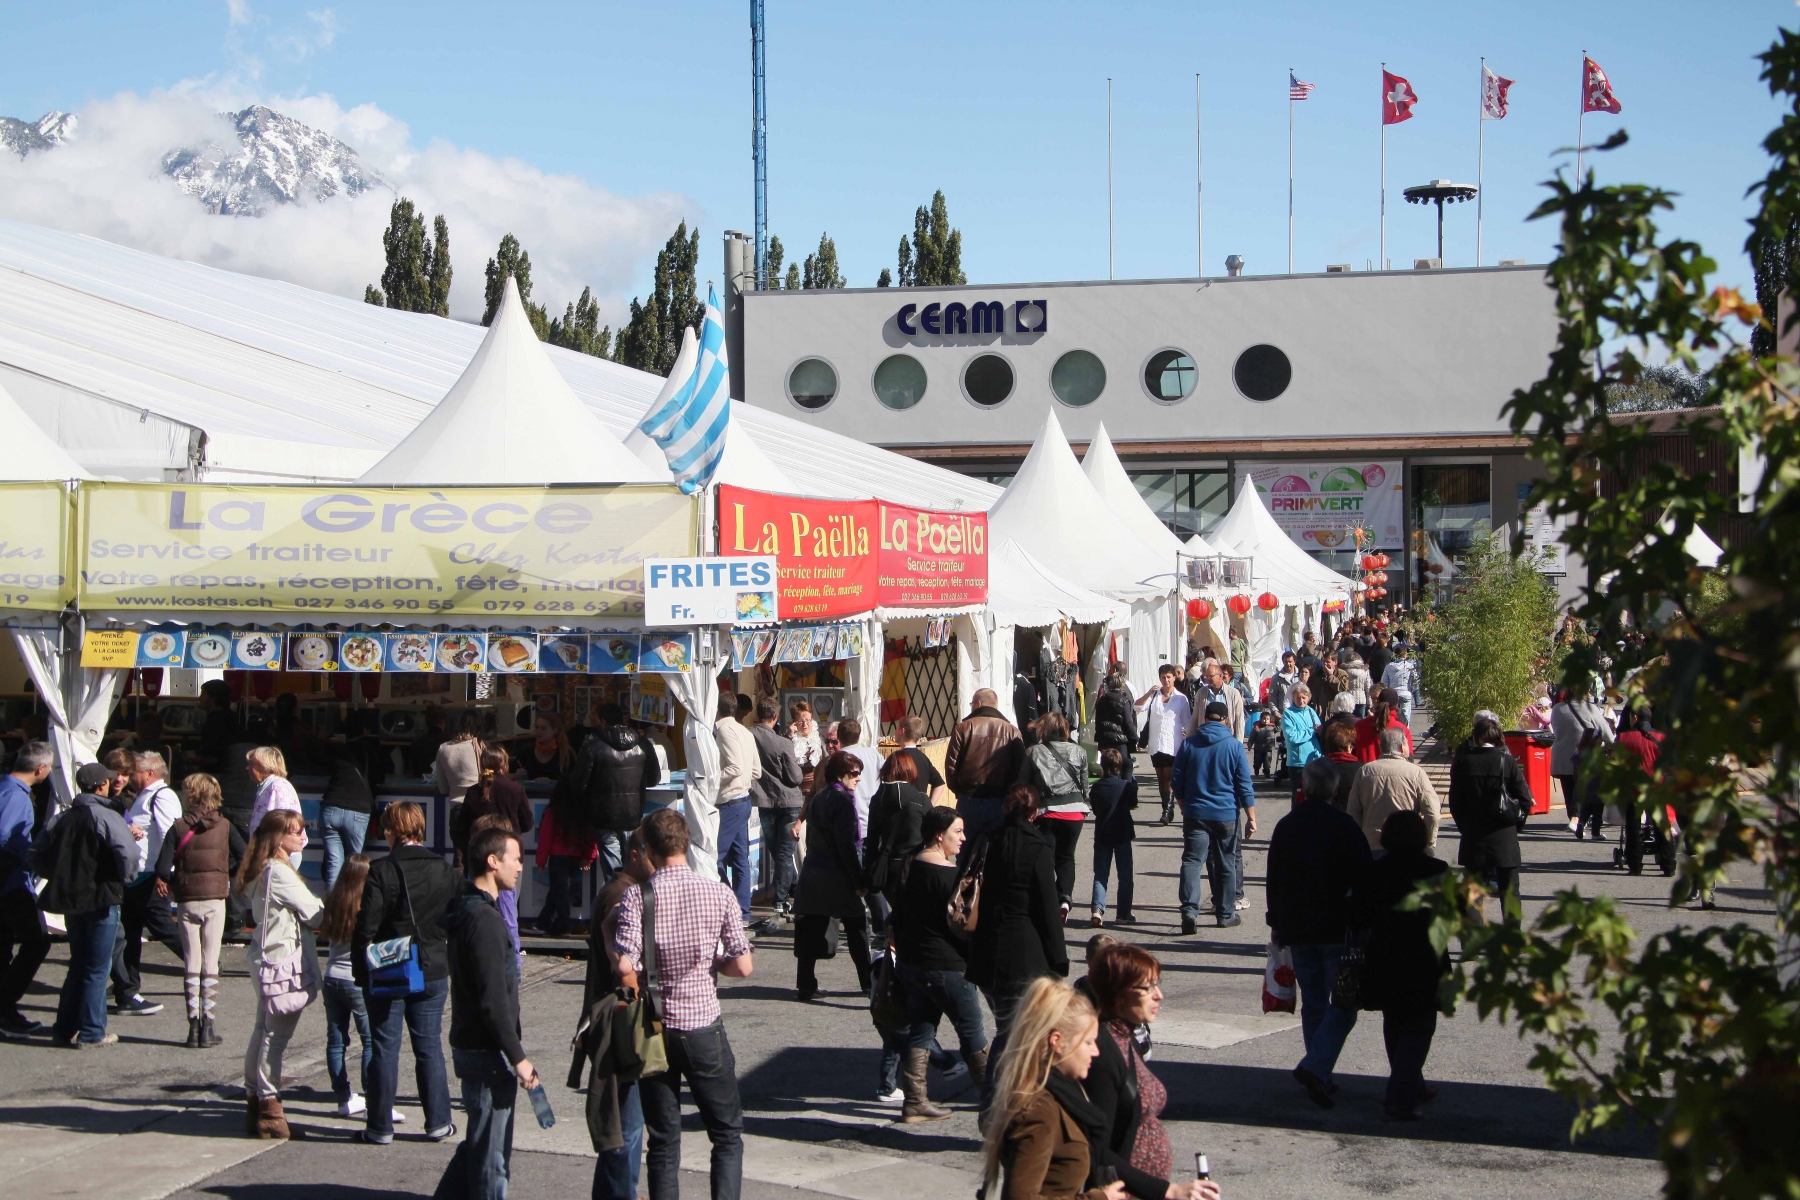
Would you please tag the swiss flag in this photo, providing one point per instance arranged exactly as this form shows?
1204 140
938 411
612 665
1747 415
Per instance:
1596 89
1397 99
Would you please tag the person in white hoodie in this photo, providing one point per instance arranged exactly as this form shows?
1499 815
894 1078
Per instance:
1403 676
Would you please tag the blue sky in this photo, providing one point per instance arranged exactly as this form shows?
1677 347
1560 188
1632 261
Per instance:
1002 106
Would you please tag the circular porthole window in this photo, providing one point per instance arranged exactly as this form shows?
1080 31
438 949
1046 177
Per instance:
812 384
1078 378
988 380
1170 376
900 381
1262 373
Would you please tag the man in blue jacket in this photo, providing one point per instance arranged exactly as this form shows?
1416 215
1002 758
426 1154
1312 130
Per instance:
1211 778
23 940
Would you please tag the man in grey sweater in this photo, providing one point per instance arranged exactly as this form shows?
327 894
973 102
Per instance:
776 794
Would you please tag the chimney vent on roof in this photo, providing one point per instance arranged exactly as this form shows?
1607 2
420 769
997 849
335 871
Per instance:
1428 264
1337 268
1234 265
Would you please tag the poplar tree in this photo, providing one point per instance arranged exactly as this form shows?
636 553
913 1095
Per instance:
793 277
579 329
440 267
936 259
906 264
885 279
772 264
511 260
822 267
417 274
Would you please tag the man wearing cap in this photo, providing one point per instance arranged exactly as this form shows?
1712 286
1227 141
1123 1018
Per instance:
86 857
1211 779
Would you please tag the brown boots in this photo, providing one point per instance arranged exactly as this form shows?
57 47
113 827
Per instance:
264 1119
918 1107
978 1066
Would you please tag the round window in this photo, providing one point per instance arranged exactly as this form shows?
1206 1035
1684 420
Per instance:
1263 373
1078 378
812 384
988 379
900 381
1169 376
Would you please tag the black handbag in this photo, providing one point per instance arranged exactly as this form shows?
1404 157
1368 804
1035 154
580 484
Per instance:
887 996
1347 988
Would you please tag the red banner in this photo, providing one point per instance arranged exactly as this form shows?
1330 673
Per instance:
840 557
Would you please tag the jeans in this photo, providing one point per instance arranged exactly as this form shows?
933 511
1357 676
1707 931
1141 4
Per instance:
1003 1001
422 1017
888 1077
778 849
1408 1034
612 851
23 944
1323 1025
932 995
702 1057
345 832
481 1165
1237 878
734 850
616 1171
1064 836
1406 705
553 918
344 1004
81 1011
982 815
141 910
1212 844
1105 854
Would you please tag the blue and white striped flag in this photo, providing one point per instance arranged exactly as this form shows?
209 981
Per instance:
690 415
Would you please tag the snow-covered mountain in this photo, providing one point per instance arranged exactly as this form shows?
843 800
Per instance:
277 161
22 137
274 160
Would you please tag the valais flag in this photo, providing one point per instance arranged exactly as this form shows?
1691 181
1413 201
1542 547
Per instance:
1596 89
1397 99
1493 95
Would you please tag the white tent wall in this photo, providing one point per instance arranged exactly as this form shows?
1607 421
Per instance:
77 699
1265 648
697 691
984 659
111 439
1155 637
862 682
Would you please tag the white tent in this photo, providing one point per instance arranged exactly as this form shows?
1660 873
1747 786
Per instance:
1103 469
31 454
510 419
1024 593
1199 545
1278 564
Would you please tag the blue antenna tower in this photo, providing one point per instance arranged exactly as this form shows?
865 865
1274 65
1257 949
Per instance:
759 140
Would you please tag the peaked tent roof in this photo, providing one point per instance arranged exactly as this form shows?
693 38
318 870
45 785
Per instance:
1054 513
1249 530
1022 591
510 418
1103 469
31 454
743 462
1199 545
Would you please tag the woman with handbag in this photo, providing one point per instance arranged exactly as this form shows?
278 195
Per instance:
405 895
284 961
1488 800
1058 769
1400 969
195 868
831 880
1018 928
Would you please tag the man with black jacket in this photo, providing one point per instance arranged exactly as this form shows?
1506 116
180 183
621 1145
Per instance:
484 1019
1115 717
86 857
776 794
1316 856
405 895
358 769
614 770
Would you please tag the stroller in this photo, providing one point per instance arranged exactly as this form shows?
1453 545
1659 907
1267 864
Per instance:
1656 842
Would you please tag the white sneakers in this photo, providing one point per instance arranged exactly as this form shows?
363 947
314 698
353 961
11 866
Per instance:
356 1106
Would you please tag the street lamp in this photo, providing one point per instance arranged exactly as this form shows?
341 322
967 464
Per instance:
1438 191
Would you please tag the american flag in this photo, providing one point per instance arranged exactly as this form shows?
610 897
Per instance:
1297 88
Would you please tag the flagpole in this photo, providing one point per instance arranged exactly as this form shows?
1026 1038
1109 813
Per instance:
1199 189
1109 185
1381 262
1480 138
1580 117
1290 170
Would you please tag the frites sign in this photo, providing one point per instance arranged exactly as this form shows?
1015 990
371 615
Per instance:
839 557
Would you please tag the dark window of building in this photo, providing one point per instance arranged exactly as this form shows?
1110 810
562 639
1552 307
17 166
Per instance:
812 384
988 379
900 381
1188 502
1169 376
1078 378
1263 373
1452 506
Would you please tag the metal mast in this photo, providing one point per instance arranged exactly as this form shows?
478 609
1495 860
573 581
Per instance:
759 139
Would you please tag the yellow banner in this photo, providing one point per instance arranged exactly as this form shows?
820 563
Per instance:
378 554
36 520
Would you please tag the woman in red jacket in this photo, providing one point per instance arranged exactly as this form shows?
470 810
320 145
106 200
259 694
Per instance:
1384 712
566 846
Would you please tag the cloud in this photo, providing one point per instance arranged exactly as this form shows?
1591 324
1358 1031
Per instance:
238 11
107 182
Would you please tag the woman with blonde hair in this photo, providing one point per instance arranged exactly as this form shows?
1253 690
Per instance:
268 767
284 960
1039 1126
195 868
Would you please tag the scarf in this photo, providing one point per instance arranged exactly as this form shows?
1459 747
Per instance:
1074 1100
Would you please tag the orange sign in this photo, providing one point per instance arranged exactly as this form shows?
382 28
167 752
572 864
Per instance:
931 559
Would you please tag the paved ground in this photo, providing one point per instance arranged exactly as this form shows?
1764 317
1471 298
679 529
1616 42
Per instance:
149 1118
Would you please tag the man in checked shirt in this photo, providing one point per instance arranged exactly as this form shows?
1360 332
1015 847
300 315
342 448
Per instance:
699 935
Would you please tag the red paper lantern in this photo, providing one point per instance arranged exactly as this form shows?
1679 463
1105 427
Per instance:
1238 604
1378 578
1377 593
1381 562
1368 562
1268 602
1199 610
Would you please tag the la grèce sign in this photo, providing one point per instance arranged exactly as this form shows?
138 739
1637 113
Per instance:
957 318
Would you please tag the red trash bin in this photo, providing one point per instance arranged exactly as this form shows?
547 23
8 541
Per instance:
1534 756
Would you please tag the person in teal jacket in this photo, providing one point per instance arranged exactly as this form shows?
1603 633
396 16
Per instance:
1211 779
1300 730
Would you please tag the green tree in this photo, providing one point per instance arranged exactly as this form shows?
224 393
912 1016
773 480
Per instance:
579 328
440 273
792 283
1656 389
640 339
1771 259
372 295
417 275
907 278
652 338
936 250
885 279
511 260
1490 643
1693 1033
822 267
772 264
